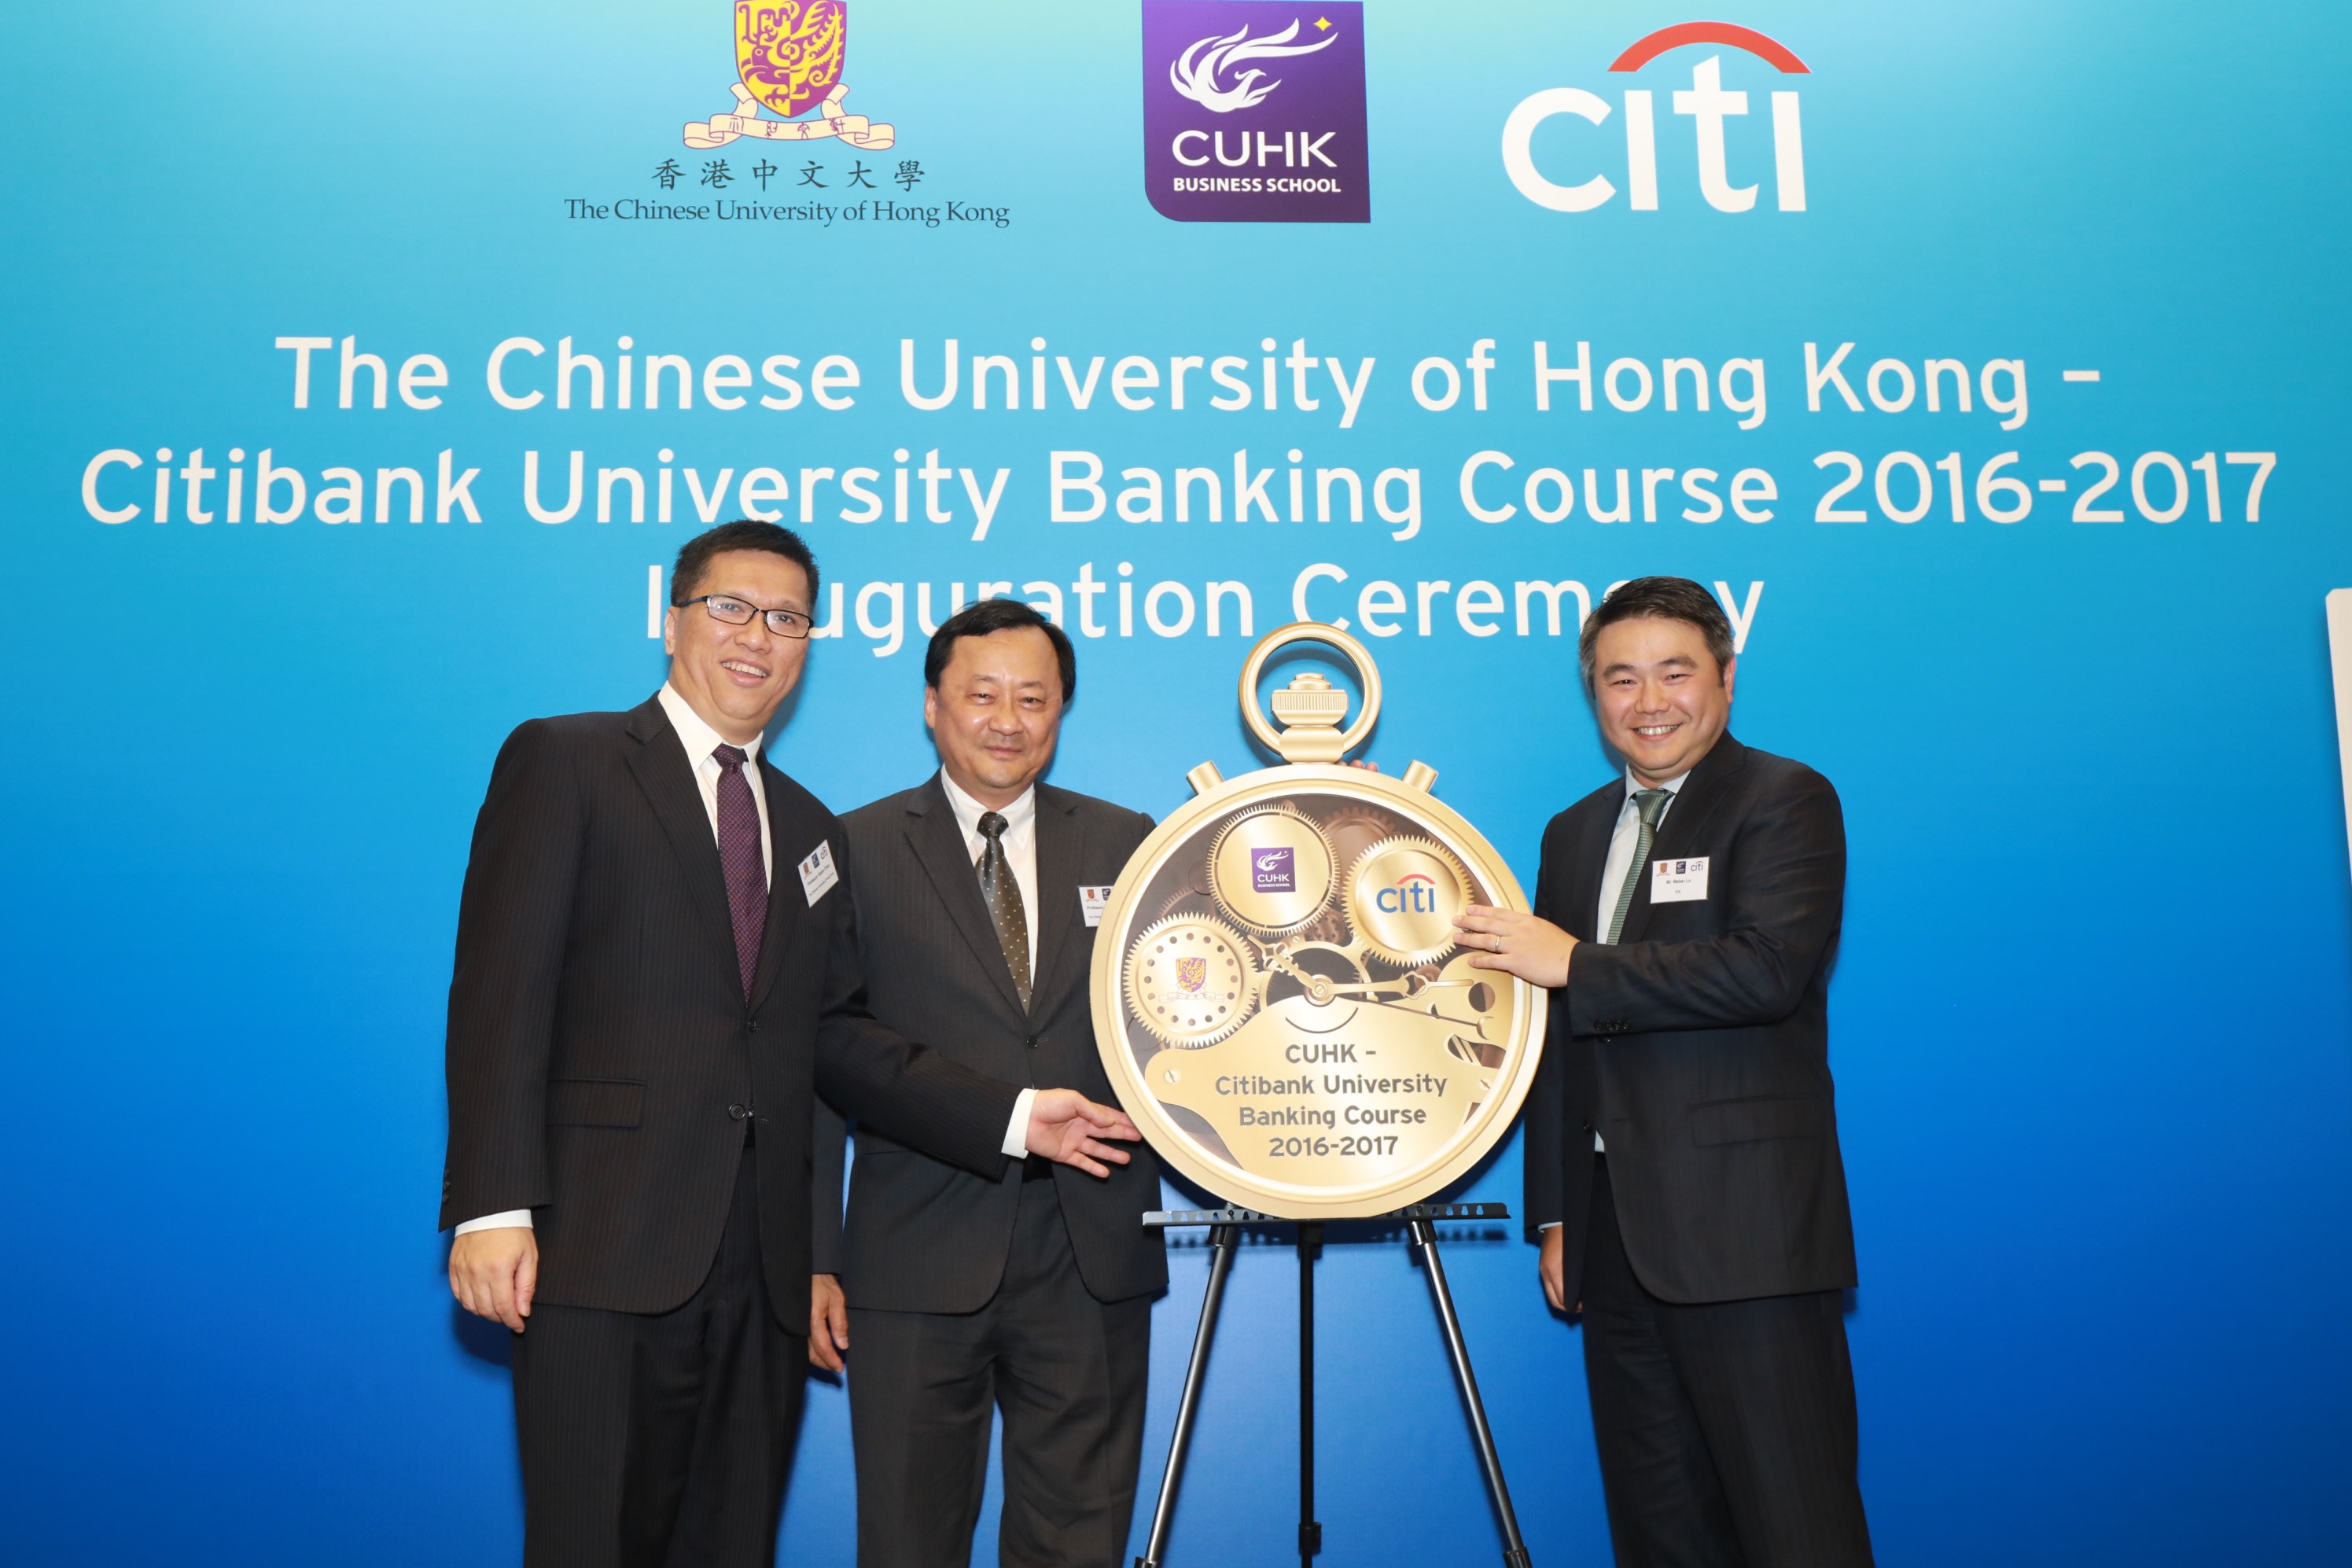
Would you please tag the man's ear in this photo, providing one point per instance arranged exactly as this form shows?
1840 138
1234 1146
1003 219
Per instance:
931 707
669 631
1730 673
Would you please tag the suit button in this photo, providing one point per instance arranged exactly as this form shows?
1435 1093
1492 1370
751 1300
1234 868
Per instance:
751 1025
737 1113
1030 1041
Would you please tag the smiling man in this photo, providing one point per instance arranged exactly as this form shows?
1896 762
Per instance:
656 968
1682 1154
970 1294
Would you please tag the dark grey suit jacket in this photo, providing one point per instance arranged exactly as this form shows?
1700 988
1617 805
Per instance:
601 1055
923 1234
1698 1045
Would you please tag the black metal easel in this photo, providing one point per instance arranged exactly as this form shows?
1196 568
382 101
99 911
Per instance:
1225 1227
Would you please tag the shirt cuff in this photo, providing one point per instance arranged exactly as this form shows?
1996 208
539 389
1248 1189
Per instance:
496 1222
1017 1134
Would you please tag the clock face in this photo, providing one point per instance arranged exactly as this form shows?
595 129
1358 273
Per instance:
1281 1006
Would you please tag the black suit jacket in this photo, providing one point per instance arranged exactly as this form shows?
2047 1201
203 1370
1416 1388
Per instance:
602 1055
925 1235
1698 1045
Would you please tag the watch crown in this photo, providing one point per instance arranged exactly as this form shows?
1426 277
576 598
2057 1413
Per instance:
1310 709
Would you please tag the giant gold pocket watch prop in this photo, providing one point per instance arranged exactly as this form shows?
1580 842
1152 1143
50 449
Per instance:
1278 997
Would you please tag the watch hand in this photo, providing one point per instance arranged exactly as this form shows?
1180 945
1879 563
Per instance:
1476 1026
1409 985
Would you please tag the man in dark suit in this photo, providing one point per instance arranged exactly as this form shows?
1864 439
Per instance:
655 971
1682 1154
973 1292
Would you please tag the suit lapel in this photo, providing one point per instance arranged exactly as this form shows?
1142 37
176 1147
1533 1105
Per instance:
1686 824
937 843
787 901
1591 865
663 771
1058 856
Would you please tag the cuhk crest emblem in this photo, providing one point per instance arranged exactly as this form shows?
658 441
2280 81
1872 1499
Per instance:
1192 974
788 57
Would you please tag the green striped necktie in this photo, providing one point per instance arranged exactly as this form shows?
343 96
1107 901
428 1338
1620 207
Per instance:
1652 805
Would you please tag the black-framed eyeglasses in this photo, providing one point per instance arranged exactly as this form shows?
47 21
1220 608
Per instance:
736 612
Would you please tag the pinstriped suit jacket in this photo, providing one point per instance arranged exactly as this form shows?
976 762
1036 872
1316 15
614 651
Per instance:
602 1055
922 1234
1698 1045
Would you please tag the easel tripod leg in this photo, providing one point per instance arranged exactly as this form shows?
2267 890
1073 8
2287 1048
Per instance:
1515 1550
1222 1241
1310 1530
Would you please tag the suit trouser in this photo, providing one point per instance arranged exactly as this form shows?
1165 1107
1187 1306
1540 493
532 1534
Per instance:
1726 1429
662 1440
1067 1371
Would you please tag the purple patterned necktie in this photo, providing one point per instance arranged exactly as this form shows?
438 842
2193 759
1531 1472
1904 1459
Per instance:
739 853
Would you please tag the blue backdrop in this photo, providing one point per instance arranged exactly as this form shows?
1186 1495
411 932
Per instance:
2091 1013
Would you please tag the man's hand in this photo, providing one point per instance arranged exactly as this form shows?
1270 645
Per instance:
1068 1129
495 1273
1551 1270
1535 949
828 1321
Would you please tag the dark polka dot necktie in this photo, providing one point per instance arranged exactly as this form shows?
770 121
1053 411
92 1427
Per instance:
1003 895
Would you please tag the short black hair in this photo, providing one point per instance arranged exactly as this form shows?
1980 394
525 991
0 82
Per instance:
741 535
987 619
1667 599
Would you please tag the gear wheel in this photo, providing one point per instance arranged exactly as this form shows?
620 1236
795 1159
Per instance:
1402 896
1307 869
1353 828
1192 980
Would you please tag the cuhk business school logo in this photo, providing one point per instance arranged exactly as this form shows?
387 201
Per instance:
1254 112
1729 145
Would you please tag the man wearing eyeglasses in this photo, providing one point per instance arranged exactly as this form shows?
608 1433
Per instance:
656 970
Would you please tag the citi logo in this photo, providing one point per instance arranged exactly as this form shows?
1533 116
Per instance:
1708 105
1194 74
1415 894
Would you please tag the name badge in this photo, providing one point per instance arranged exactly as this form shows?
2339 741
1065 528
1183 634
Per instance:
817 873
1678 881
1092 902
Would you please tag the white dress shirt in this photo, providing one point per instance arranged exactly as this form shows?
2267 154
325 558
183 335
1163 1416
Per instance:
1020 852
1621 845
701 741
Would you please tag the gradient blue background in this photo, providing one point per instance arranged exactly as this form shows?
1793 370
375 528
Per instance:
2090 1014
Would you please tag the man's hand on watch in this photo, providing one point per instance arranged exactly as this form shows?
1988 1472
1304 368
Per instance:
1069 1129
1535 949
